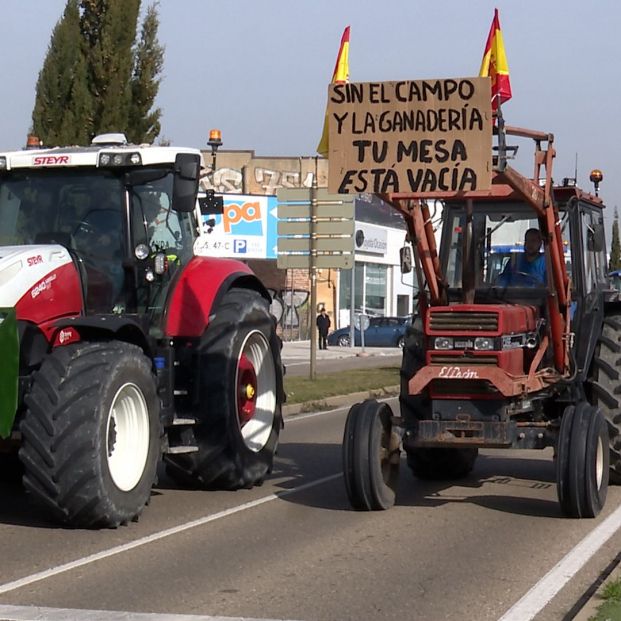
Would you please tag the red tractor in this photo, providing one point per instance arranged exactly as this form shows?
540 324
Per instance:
526 362
119 345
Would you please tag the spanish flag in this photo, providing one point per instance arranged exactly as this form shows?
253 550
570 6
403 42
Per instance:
495 64
340 75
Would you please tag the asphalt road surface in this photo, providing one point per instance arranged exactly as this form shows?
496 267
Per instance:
293 549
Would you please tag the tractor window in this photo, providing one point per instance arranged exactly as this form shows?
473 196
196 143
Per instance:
593 249
158 226
496 242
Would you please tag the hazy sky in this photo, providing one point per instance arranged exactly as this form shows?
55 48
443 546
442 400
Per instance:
258 70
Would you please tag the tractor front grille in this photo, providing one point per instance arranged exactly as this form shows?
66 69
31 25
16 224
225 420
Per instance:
463 320
470 361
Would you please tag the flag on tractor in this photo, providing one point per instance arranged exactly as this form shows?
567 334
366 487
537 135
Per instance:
495 64
340 75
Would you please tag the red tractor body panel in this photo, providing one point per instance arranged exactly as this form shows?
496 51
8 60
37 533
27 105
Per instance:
479 320
192 300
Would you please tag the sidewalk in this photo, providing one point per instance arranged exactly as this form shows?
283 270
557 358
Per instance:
300 350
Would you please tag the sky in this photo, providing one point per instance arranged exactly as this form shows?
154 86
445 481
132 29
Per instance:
259 70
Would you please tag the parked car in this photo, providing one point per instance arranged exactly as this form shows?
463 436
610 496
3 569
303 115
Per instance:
615 278
382 332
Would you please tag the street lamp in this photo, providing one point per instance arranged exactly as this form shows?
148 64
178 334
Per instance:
215 141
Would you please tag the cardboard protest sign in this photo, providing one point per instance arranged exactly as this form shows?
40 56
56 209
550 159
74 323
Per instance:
410 136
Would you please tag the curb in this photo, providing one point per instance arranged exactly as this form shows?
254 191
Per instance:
589 610
330 403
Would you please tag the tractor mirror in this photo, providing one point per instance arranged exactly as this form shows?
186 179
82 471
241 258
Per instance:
405 257
595 238
185 187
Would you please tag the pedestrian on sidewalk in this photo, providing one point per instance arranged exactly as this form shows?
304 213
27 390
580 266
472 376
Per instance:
323 325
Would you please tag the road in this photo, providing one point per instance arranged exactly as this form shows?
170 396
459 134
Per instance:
292 549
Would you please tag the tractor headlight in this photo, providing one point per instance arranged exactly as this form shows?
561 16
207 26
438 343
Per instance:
443 342
125 158
484 343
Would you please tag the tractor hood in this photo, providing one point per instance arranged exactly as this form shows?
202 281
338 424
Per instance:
41 282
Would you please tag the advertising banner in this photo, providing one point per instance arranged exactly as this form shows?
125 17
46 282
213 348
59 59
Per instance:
245 230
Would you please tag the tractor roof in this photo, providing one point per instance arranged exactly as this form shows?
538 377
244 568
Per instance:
91 156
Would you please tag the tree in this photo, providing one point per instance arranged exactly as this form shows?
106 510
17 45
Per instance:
144 123
615 245
96 78
61 87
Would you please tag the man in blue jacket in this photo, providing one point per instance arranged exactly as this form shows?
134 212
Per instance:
528 268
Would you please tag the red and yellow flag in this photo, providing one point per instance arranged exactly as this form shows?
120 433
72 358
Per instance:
340 75
495 64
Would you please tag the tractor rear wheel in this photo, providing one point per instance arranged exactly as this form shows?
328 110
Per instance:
370 456
427 463
241 395
606 387
582 461
91 434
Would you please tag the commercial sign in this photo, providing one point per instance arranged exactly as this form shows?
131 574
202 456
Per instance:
410 136
245 230
371 239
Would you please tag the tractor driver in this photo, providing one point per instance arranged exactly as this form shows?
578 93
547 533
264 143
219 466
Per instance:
528 268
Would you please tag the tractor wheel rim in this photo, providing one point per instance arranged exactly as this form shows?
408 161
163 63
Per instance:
127 437
599 463
256 391
246 390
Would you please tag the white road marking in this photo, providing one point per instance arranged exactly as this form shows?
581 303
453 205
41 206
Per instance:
542 593
37 613
93 558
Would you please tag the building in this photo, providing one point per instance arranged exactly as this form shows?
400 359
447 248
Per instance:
247 231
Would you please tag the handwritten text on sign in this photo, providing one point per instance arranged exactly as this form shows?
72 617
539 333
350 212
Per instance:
411 136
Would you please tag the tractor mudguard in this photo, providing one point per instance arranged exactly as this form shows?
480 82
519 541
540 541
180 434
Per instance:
9 346
197 291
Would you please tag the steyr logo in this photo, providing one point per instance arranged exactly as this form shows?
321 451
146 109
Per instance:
34 260
50 160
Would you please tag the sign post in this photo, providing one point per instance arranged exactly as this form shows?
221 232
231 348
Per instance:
315 231
313 274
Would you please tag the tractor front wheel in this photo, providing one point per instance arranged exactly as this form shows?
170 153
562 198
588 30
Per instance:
582 461
370 456
91 434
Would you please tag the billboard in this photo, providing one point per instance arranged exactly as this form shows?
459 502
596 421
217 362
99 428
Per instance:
245 230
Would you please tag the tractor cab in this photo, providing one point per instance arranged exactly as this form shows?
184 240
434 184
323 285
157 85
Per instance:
116 208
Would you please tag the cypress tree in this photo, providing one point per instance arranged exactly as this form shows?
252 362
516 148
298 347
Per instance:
60 78
108 32
96 77
144 122
615 245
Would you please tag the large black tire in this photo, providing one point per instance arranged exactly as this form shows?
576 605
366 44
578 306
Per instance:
370 456
582 464
606 387
91 434
241 396
427 463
